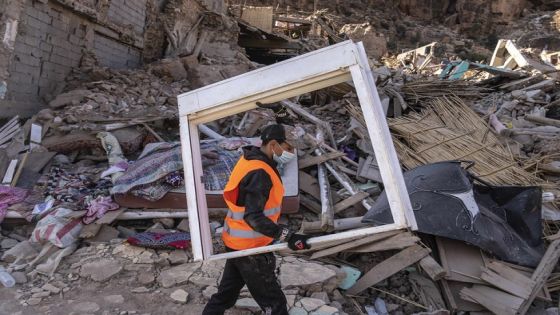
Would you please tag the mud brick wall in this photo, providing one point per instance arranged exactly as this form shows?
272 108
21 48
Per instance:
51 38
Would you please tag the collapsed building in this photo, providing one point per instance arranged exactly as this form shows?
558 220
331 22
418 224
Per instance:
90 149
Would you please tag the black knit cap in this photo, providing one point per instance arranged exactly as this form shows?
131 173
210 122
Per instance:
274 132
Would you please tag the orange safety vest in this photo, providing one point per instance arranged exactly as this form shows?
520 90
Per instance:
237 234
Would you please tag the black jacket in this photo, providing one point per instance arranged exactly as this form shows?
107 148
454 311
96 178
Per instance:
254 190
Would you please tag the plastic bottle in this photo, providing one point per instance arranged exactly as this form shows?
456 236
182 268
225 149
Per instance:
6 278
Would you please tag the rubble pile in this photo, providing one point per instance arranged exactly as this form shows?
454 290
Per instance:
92 202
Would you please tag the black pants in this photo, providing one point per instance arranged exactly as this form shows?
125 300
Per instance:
257 271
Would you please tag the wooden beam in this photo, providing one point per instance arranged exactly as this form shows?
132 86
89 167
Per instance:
543 271
309 184
398 241
498 302
9 175
350 201
348 245
522 290
314 160
543 120
389 267
310 204
432 268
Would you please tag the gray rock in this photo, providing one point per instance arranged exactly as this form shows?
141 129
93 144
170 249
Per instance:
311 304
325 310
300 273
297 311
85 307
337 305
203 281
178 257
213 268
146 278
321 296
248 303
180 296
8 243
51 288
114 299
41 294
140 290
20 277
34 301
177 275
101 270
72 97
209 291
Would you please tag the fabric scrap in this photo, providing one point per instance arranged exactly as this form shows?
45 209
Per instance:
115 169
154 164
97 209
59 228
178 240
114 153
9 196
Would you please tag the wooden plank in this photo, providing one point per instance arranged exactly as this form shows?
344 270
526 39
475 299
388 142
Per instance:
310 204
370 170
9 175
314 160
508 272
350 201
36 161
389 267
451 290
499 302
309 184
348 245
432 268
90 230
398 241
523 273
461 262
543 271
110 216
507 285
19 169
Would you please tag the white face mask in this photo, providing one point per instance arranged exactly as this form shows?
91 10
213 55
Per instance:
284 158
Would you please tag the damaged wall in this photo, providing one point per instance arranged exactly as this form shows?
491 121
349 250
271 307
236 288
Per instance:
51 39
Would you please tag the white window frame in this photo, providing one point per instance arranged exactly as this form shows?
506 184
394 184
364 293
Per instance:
306 73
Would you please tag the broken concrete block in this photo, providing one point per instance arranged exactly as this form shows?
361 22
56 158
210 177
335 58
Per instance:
180 296
177 275
301 273
69 98
101 270
311 304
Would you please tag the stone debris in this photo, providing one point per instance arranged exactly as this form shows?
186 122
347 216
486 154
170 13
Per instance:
101 270
180 296
419 55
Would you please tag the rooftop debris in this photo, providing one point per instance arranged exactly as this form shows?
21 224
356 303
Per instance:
93 189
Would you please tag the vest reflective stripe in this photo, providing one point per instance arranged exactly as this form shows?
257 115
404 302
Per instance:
241 233
237 234
241 215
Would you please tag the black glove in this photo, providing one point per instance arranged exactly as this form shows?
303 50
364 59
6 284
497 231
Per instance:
298 241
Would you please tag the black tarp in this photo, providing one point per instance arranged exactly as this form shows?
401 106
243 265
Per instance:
448 201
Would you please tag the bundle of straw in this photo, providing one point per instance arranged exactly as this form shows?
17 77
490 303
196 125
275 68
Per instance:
421 91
